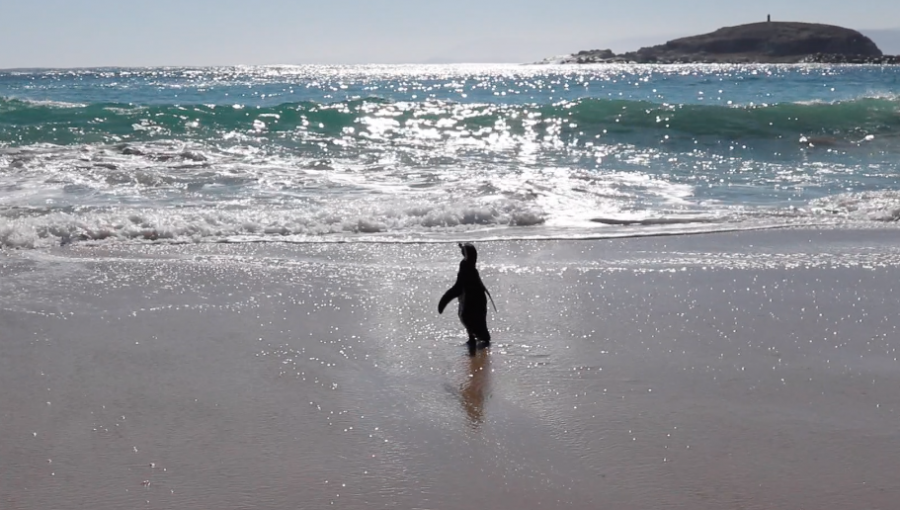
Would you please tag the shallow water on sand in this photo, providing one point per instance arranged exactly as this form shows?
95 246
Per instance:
751 370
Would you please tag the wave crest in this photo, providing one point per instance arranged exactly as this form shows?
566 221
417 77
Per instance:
31 228
374 120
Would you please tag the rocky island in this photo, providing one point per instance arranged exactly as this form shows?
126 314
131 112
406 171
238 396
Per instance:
768 42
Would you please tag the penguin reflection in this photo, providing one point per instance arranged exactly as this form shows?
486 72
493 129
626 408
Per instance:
476 386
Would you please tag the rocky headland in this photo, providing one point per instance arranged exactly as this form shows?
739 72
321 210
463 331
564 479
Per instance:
769 42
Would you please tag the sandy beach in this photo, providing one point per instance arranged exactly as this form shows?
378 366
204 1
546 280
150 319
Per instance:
751 370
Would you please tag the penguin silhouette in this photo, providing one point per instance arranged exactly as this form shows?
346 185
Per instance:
471 292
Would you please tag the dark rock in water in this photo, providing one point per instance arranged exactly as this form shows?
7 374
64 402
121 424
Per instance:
775 41
132 151
596 54
831 58
766 42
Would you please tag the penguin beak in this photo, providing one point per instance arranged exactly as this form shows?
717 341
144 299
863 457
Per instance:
463 250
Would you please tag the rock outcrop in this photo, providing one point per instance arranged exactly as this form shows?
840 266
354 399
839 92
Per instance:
766 42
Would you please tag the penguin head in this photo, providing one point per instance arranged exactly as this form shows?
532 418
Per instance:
469 253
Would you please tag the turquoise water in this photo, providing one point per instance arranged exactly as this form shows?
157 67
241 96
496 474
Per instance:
399 153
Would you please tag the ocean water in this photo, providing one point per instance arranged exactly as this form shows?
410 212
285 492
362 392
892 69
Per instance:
440 152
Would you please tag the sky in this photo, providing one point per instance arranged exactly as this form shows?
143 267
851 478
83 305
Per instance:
88 33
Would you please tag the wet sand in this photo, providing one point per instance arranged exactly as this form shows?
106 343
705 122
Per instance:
746 370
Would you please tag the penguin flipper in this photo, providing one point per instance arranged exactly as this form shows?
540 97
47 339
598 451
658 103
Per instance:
489 296
448 296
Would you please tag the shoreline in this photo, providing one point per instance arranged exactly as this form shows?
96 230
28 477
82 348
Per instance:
587 57
613 229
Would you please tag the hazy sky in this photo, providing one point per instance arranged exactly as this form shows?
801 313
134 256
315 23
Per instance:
75 33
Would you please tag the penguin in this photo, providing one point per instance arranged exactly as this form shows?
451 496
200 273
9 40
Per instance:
470 291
